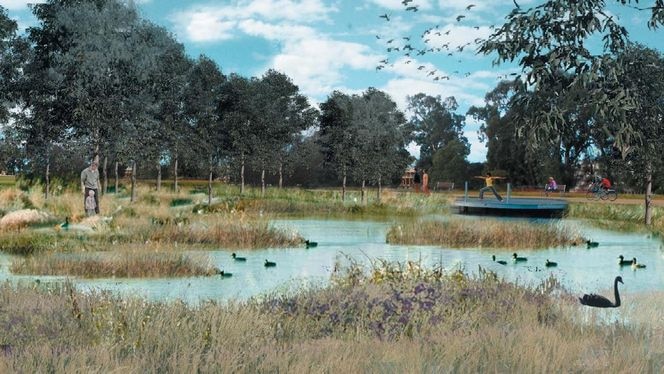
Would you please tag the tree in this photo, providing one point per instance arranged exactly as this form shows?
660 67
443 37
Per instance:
338 137
384 134
434 124
202 111
450 164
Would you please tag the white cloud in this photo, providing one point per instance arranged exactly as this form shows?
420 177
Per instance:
398 4
213 23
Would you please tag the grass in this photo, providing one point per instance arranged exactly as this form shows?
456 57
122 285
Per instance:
410 320
487 233
7 180
136 264
622 217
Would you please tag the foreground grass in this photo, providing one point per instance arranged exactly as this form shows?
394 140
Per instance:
622 217
487 233
137 264
411 320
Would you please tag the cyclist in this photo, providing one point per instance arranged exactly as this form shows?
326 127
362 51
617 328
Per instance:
605 183
551 186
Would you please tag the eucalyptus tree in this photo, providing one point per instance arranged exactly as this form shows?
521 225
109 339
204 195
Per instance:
202 101
8 66
554 37
434 124
339 139
238 114
383 135
283 114
450 163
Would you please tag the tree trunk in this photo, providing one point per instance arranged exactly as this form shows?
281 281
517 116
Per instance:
133 181
362 193
648 199
343 187
242 174
281 175
210 187
117 178
380 187
47 176
262 182
175 174
158 177
104 188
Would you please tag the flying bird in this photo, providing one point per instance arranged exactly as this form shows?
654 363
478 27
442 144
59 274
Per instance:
413 8
390 41
460 17
469 7
599 301
386 16
385 61
421 67
405 2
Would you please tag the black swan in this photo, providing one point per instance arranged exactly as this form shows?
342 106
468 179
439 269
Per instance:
591 244
236 258
502 262
601 301
623 262
518 259
550 264
270 264
636 265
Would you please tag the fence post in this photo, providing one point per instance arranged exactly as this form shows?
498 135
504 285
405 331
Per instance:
465 191
509 192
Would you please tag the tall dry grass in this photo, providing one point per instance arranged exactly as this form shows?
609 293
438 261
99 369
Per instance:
126 264
422 322
487 233
625 217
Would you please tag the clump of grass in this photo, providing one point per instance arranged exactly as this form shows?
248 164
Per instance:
26 242
486 233
180 201
624 217
137 264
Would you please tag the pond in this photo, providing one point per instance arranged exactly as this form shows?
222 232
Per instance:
579 269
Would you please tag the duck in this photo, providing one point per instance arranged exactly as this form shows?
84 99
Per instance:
636 265
225 274
599 301
550 264
310 244
623 262
65 224
269 264
502 262
236 258
591 244
515 258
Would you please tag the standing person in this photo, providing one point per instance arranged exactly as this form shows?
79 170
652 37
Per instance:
90 203
488 180
425 182
90 182
551 186
417 180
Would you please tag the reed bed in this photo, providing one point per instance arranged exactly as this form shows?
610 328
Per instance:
483 233
623 217
137 264
414 320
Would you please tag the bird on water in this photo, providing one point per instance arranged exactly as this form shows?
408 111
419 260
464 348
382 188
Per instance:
236 258
636 265
550 264
502 262
592 244
270 264
599 301
623 262
518 259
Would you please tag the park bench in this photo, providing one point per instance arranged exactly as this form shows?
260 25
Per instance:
444 186
562 188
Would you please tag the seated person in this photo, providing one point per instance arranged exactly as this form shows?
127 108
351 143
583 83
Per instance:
551 186
605 183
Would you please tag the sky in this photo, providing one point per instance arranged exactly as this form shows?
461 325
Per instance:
326 45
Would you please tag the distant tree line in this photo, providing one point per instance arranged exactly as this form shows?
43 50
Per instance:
92 79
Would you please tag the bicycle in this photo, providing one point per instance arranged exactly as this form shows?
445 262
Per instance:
595 192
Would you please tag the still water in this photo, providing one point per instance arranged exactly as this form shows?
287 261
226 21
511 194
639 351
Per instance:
579 269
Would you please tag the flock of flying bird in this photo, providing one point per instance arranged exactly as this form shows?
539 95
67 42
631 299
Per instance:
405 46
592 300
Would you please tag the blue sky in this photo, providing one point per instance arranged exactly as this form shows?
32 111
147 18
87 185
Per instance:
326 45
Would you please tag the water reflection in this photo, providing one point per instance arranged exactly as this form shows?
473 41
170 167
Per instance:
579 269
